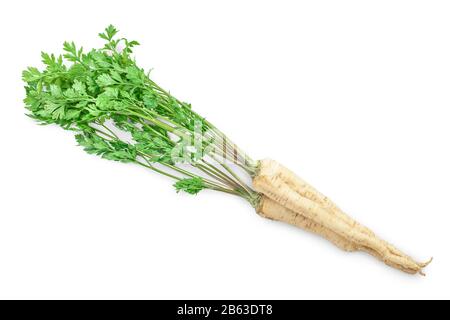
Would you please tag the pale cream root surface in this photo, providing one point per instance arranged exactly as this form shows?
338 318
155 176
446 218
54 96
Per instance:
295 195
306 190
271 209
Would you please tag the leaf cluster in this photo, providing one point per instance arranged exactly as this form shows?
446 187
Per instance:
119 113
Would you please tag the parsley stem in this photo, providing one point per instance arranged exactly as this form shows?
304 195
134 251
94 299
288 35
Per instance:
109 130
157 170
103 133
223 175
235 176
156 122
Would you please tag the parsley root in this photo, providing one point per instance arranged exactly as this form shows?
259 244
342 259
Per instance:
271 209
119 113
288 190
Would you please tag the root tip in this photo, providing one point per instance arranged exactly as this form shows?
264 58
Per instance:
423 265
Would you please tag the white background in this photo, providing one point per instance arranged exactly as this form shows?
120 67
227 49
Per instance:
352 95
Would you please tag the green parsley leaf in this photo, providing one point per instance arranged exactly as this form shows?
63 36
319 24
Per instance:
190 185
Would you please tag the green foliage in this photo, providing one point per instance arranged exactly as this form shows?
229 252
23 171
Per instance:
109 33
104 84
31 75
190 185
111 150
118 112
80 91
72 54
